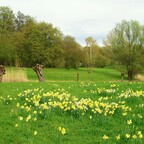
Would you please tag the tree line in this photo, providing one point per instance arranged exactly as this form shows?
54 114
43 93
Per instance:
24 42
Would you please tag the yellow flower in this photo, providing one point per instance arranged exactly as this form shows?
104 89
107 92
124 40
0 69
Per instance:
28 118
129 122
20 118
63 131
140 134
117 137
105 137
18 104
134 136
35 119
16 125
35 132
35 112
124 114
127 136
90 117
59 128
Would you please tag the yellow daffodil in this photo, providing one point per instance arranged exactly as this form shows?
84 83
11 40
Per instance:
127 136
129 122
35 132
20 118
134 136
118 137
16 125
105 137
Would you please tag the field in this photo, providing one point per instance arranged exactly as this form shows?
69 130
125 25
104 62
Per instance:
98 109
72 113
61 74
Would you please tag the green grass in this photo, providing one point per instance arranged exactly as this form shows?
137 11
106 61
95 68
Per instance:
59 74
81 126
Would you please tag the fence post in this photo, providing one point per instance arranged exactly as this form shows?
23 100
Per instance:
77 77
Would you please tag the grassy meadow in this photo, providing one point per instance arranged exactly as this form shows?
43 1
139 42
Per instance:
96 110
61 74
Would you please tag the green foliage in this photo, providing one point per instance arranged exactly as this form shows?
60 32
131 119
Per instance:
73 52
6 20
7 46
42 43
126 41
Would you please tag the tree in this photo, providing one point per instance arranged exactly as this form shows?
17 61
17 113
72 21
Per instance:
6 20
21 20
91 52
7 47
41 44
73 52
126 41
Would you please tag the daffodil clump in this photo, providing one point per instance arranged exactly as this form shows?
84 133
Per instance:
36 100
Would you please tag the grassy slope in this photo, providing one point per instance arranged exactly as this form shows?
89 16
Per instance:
79 129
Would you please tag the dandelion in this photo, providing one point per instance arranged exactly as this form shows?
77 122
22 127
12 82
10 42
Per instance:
90 117
35 132
105 137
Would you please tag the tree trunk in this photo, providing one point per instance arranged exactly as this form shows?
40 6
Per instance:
2 72
38 70
130 75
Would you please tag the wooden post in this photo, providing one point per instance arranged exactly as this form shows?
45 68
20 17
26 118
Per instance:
38 70
2 72
77 77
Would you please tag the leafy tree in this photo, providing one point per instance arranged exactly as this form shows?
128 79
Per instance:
21 20
41 44
91 50
6 20
7 47
73 52
126 41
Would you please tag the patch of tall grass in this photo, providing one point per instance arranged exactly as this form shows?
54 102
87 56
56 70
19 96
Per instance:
15 75
139 77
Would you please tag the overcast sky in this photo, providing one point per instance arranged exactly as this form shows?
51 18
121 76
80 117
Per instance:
81 18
